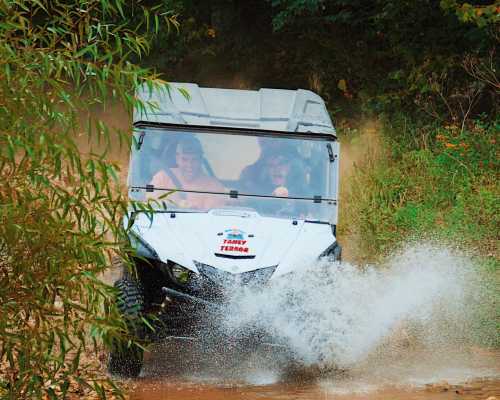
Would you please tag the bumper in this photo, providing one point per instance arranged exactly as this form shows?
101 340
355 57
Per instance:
192 319
184 316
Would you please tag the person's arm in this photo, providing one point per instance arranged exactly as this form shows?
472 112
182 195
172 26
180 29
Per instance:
215 200
162 181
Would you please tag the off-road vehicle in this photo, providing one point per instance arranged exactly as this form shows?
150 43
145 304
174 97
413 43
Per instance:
244 188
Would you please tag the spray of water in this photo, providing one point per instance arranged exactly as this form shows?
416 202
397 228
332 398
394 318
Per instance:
341 314
411 321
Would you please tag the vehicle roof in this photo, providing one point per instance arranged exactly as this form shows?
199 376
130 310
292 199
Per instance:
266 109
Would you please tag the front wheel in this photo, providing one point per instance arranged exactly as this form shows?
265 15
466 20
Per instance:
125 357
125 361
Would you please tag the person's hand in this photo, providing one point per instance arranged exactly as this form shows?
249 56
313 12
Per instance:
280 191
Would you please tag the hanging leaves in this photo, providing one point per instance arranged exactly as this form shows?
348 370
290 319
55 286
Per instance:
60 209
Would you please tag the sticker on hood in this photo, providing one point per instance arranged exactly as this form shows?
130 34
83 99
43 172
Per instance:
235 244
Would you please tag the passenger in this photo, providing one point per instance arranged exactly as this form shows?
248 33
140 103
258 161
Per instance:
252 177
277 172
189 175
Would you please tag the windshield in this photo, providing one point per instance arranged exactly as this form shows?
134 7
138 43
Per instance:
201 170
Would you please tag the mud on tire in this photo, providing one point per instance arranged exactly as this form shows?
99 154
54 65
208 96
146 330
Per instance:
126 359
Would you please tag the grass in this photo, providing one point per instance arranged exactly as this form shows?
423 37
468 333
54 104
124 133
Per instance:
446 188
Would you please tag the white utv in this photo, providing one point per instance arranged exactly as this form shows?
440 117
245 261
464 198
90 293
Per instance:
243 186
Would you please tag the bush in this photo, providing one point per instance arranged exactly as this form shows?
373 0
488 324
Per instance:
59 209
446 189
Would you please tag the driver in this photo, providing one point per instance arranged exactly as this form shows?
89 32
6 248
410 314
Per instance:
188 174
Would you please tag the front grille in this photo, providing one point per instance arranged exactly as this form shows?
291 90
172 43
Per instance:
223 278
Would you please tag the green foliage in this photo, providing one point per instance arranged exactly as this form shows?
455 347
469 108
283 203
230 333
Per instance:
289 10
481 15
59 209
301 12
387 56
446 189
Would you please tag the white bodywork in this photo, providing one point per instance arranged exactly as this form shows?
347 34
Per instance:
232 239
190 237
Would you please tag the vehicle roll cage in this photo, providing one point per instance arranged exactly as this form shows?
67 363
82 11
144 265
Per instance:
238 131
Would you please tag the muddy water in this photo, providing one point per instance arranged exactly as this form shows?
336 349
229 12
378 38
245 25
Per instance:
413 381
475 390
480 390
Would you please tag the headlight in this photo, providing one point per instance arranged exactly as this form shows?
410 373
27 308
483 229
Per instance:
180 275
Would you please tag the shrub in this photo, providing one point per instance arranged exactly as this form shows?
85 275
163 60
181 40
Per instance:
448 189
59 209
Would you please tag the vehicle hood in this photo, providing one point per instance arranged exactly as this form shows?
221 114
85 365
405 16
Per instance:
233 241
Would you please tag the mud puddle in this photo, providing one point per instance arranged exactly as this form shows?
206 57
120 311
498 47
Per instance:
479 390
426 376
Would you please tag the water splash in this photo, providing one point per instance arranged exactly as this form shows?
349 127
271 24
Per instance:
341 315
405 324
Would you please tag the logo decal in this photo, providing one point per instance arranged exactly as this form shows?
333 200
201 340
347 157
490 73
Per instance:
234 242
235 234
